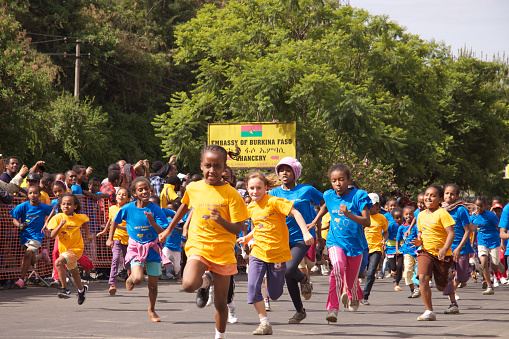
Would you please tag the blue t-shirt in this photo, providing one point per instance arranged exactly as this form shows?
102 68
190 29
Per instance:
504 223
302 196
76 189
408 247
34 216
488 234
389 217
393 233
462 219
138 226
173 242
344 232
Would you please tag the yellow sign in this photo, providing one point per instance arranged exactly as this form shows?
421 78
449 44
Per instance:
255 144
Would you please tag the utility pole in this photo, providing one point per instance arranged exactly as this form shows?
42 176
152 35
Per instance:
77 71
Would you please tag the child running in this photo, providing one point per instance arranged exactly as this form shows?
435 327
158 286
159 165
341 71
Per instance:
144 221
436 234
461 247
218 215
349 209
29 218
394 258
271 247
67 227
406 235
120 238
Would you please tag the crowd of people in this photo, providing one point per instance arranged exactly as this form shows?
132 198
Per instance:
286 230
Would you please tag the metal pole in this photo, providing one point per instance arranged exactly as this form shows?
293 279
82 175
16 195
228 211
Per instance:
77 71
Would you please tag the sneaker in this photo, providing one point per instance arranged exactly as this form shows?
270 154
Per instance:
55 283
417 293
315 269
20 283
427 316
113 289
332 316
263 329
211 296
166 276
411 294
364 302
46 257
453 309
344 299
306 289
267 305
202 295
484 284
82 295
489 291
353 305
64 293
504 281
398 288
461 285
325 270
232 316
298 317
495 283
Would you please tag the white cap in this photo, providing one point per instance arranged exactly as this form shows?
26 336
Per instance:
374 198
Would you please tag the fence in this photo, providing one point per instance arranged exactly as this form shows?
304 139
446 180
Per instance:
11 251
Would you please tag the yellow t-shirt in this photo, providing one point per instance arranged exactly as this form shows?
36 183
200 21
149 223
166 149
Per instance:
206 237
325 222
45 198
167 194
432 227
119 234
374 233
270 231
69 236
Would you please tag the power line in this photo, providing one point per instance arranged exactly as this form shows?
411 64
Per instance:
43 42
53 36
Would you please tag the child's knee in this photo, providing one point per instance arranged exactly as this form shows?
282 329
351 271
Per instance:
28 254
188 286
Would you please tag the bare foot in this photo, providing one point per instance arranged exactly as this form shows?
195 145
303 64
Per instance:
128 284
154 317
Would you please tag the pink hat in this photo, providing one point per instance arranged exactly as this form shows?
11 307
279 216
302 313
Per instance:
293 163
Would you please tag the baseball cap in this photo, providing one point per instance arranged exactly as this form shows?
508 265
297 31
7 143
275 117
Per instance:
33 177
496 206
374 198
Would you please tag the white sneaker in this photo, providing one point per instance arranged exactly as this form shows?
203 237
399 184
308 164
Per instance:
325 270
315 269
495 282
232 316
427 316
267 305
211 296
503 281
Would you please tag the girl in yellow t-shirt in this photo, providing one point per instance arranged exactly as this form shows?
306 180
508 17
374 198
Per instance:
120 237
270 250
67 226
218 215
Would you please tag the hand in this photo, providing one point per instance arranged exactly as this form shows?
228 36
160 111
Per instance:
62 223
100 234
417 242
162 237
172 159
242 240
310 226
109 243
24 170
215 214
398 252
138 164
456 254
441 253
246 248
146 163
39 163
44 228
308 239
343 208
407 233
89 170
187 177
90 238
149 216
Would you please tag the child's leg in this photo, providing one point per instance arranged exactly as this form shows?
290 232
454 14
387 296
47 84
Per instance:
152 296
192 278
353 287
373 262
55 254
60 270
127 265
256 272
75 273
294 275
336 277
486 269
495 258
115 260
28 260
136 276
221 286
399 269
425 266
85 262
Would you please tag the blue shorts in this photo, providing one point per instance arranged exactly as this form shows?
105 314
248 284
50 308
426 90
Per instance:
153 268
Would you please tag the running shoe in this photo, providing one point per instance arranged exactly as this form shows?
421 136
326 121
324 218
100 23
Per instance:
315 269
202 295
267 305
325 270
417 293
55 283
263 329
20 283
453 309
82 296
211 296
503 281
364 302
353 305
484 284
398 288
344 299
332 316
306 289
489 291
64 293
232 316
427 316
113 289
298 317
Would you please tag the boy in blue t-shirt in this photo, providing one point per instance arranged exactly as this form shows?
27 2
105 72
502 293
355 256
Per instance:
29 217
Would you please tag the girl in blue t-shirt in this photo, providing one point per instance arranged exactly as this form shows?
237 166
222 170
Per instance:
144 221
349 210
488 241
461 247
302 196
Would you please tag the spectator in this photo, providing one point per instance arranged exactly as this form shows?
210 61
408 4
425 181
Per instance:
157 179
71 181
15 183
45 185
12 167
108 187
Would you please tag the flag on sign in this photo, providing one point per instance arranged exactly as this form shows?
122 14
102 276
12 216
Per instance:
248 131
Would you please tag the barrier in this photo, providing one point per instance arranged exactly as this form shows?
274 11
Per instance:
12 252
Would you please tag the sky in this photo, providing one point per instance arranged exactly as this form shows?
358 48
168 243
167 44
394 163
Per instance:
481 26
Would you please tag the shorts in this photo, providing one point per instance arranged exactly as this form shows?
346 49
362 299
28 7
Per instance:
430 265
493 253
409 263
229 269
71 259
275 274
33 245
306 263
153 267
175 257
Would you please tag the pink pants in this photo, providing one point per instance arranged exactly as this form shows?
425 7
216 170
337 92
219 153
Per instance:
345 270
84 261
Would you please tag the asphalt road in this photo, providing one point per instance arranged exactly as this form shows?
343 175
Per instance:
36 312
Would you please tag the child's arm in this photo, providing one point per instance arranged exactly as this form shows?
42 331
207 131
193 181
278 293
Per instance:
244 240
185 228
89 236
153 223
503 234
113 227
232 227
51 215
448 242
397 243
17 222
103 232
418 241
178 216
466 237
363 220
54 232
323 211
308 238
